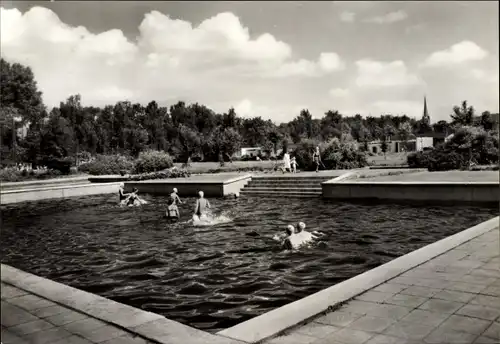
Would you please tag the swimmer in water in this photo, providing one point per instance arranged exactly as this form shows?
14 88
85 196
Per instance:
289 243
121 193
202 205
133 197
172 209
305 235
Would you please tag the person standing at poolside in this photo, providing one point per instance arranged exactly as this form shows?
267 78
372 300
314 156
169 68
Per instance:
317 158
286 162
202 205
293 163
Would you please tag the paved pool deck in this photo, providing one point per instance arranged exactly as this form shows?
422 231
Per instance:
28 318
448 176
452 298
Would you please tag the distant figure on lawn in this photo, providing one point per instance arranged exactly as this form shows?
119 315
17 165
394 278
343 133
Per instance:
172 209
294 164
317 158
286 162
201 208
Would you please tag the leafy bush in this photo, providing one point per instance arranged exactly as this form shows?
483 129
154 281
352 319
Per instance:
334 155
152 161
469 144
343 155
173 173
12 174
107 164
62 165
418 159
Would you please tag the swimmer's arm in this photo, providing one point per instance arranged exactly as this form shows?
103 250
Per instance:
208 204
196 206
178 199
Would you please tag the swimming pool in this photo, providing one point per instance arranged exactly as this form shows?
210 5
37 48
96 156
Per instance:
215 277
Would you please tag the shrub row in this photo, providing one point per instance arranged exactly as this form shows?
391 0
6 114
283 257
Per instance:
12 174
148 161
173 173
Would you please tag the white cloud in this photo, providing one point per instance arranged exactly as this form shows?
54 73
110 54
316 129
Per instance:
347 16
170 58
388 18
456 54
339 92
327 63
374 73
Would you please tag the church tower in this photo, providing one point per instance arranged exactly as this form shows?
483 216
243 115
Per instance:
426 119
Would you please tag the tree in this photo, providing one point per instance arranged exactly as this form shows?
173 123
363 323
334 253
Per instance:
57 139
20 91
462 115
404 132
486 121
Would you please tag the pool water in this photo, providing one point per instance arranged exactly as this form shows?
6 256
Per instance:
215 277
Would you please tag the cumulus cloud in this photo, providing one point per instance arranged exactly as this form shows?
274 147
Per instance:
456 54
388 18
374 73
169 58
339 92
347 16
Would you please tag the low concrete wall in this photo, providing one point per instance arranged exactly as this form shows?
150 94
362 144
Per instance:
190 188
23 195
484 192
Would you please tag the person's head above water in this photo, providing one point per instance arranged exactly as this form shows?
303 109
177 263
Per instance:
122 185
175 190
301 226
200 193
289 230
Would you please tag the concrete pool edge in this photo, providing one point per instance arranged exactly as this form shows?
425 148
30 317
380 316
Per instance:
276 321
58 191
145 324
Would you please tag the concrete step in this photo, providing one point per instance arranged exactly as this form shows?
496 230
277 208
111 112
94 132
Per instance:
280 193
289 179
299 189
284 184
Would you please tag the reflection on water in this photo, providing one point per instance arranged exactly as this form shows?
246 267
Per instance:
214 277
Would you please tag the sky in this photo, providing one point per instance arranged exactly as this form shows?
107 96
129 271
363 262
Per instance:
268 59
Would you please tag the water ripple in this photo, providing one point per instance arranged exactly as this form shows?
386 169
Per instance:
215 277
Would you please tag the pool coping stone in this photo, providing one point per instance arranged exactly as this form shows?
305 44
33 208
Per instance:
148 325
59 187
278 320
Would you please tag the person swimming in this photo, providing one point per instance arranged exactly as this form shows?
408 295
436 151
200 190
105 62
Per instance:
201 207
121 193
305 235
172 209
132 197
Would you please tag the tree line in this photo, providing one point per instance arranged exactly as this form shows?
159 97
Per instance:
183 130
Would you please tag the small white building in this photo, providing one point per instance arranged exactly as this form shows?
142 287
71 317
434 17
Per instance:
251 151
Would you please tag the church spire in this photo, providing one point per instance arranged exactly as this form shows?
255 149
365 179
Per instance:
425 117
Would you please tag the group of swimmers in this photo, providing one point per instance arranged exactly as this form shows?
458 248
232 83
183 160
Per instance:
201 208
292 238
295 238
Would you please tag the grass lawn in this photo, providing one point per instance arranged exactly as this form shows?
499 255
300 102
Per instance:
390 159
205 167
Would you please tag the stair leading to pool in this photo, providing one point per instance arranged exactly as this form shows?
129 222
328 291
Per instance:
278 186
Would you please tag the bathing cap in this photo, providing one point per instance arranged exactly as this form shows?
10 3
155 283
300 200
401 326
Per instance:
200 193
175 189
122 185
302 225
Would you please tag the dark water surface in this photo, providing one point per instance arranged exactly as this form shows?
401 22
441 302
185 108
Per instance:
215 277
